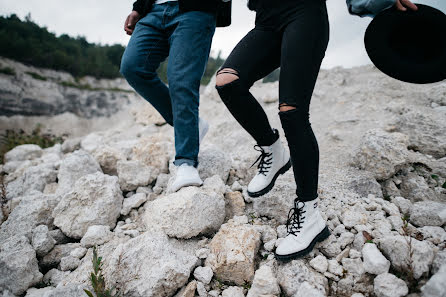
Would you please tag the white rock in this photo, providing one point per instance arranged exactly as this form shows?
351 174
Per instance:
374 261
403 204
319 263
396 249
55 276
95 200
34 292
34 178
233 292
434 234
134 201
264 283
42 241
134 174
108 158
388 285
154 151
345 239
353 266
308 290
73 167
428 213
439 261
78 252
201 290
33 210
18 262
203 274
354 254
212 161
435 286
202 253
233 251
71 290
23 152
69 263
292 274
96 235
351 218
335 268
149 266
189 212
382 153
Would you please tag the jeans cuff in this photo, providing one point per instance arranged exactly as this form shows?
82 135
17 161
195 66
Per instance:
189 162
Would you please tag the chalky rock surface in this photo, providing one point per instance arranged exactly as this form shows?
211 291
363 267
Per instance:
149 266
73 167
388 285
382 153
396 248
95 200
187 213
382 179
18 265
264 283
33 210
233 251
134 174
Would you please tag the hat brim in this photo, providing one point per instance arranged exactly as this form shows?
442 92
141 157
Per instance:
409 45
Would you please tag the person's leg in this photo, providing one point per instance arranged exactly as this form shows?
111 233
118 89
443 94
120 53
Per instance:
256 55
147 48
190 42
302 54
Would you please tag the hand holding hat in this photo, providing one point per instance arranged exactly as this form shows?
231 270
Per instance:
408 42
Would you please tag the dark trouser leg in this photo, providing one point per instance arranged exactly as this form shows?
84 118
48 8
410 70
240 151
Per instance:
302 54
256 55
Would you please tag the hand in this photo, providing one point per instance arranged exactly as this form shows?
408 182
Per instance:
131 21
404 4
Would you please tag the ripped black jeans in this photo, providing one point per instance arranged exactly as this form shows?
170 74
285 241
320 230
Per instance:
298 49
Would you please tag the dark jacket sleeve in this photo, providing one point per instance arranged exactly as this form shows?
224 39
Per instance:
139 6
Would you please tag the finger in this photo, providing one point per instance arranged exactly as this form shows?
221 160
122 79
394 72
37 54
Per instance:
125 24
409 4
400 6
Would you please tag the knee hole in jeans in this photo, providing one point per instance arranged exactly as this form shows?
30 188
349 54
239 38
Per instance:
283 107
226 76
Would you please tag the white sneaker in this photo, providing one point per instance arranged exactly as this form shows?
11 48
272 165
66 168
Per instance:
305 227
186 175
203 128
274 160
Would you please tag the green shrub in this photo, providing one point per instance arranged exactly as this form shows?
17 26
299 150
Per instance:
7 71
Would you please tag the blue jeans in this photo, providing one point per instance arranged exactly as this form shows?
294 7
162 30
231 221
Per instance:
184 37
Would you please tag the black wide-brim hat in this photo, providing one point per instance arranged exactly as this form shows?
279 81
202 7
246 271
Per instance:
409 45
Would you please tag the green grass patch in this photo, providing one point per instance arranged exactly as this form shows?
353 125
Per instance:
7 71
36 76
11 138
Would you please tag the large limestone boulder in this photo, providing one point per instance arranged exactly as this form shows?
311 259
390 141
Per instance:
154 151
187 213
18 265
149 266
33 210
23 152
34 178
73 167
382 153
428 213
396 249
95 200
135 174
233 250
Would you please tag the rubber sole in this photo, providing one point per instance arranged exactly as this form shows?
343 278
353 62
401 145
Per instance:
273 181
320 237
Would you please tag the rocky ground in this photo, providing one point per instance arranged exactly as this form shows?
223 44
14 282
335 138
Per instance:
382 191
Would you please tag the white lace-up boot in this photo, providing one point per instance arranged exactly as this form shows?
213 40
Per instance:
274 160
203 128
186 175
305 227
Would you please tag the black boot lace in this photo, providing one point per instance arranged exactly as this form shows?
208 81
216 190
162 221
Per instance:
295 218
264 164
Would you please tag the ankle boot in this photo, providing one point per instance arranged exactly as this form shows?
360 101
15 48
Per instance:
273 161
305 227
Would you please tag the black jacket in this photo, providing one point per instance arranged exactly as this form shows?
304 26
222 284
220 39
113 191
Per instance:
222 8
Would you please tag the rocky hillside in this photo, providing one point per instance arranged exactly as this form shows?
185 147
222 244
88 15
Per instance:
382 191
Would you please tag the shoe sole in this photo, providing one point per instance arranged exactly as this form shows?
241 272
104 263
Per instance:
273 181
320 237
